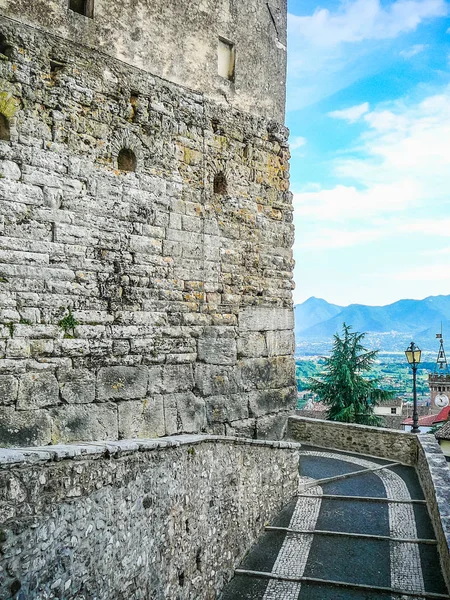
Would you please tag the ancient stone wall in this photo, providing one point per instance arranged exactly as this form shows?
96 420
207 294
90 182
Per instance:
145 254
136 520
180 41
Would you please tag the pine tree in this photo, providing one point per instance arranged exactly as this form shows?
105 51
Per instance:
350 397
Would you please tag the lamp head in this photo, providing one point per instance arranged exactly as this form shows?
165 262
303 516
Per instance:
413 354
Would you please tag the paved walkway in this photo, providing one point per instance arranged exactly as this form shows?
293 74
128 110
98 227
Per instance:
358 530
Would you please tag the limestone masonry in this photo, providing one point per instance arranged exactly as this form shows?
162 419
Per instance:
145 228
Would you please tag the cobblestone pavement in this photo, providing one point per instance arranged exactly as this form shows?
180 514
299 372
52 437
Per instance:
364 537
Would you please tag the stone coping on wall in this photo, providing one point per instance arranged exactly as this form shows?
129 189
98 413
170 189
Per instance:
94 450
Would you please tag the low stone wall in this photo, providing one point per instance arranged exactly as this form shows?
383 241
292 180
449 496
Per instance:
434 474
166 518
375 441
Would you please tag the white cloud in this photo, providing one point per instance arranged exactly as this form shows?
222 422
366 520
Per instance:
432 227
352 114
329 50
395 181
410 52
404 142
364 19
297 142
433 272
344 203
327 238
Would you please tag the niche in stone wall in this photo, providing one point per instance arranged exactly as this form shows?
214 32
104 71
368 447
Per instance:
126 160
220 185
226 59
82 7
5 133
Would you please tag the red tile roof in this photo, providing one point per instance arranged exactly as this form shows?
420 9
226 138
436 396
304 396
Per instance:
429 420
425 421
444 415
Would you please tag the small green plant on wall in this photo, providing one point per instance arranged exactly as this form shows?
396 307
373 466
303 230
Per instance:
68 324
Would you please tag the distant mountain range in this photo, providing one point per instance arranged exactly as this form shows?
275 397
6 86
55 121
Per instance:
317 320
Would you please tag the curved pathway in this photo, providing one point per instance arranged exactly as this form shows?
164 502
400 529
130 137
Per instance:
359 529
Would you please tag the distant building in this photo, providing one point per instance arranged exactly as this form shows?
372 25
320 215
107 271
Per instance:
391 407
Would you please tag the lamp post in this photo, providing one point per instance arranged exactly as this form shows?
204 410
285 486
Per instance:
413 354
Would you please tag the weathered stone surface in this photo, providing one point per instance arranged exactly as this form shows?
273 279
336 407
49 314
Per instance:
264 373
150 282
271 401
142 418
37 390
177 378
86 422
217 351
252 345
259 318
280 343
214 380
272 427
122 382
222 409
134 516
184 413
9 386
77 386
245 428
19 428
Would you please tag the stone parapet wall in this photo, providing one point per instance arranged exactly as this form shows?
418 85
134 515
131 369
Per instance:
374 441
157 519
434 473
146 303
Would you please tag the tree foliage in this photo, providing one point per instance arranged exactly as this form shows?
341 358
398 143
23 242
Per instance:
350 397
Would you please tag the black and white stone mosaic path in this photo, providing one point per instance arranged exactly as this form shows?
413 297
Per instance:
348 535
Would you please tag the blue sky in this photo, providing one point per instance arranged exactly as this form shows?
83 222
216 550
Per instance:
369 113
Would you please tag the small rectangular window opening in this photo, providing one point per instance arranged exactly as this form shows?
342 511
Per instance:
226 59
393 411
82 7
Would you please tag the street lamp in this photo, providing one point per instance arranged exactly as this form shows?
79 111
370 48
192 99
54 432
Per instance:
413 354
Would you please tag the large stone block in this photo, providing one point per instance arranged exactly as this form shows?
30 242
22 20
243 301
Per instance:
263 402
217 351
85 422
262 318
37 390
222 409
252 344
77 385
177 378
122 382
9 386
280 343
18 428
184 413
212 380
268 373
272 427
142 418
